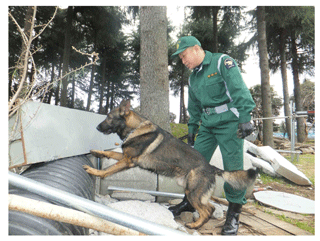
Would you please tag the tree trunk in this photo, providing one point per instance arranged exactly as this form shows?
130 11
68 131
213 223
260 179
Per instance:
265 82
183 110
73 92
66 57
103 82
181 118
51 83
27 28
23 64
108 95
154 79
93 70
24 60
111 104
57 98
215 11
283 60
297 91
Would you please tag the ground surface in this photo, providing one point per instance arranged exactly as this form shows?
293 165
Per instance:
274 221
306 165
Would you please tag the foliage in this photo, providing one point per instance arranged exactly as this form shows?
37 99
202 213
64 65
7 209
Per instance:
308 97
200 24
88 34
302 225
257 112
179 130
267 179
305 165
256 95
116 74
291 18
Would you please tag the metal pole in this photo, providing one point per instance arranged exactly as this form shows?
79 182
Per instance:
154 193
91 207
293 135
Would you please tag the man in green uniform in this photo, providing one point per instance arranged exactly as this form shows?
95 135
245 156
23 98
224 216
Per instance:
219 98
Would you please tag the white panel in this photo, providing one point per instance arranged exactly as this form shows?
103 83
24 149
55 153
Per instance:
286 201
53 132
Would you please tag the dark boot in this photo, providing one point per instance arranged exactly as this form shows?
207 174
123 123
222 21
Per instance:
232 220
184 206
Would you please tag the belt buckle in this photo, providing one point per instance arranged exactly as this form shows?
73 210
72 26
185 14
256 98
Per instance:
207 110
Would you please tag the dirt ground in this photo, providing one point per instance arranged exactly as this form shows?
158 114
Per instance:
307 166
308 221
303 191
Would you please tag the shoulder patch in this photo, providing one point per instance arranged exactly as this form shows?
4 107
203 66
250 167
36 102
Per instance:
229 63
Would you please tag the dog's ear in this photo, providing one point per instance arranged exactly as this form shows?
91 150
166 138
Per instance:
124 107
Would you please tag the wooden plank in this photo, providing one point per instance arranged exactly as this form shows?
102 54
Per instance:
261 225
226 203
290 228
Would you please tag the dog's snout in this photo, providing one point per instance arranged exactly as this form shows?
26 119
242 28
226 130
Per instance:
99 127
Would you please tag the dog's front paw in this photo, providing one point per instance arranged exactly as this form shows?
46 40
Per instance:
88 169
97 153
91 170
192 225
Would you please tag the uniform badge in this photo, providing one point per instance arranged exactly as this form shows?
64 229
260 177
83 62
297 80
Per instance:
178 44
213 74
229 63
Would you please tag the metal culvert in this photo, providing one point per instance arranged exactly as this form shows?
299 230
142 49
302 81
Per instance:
65 174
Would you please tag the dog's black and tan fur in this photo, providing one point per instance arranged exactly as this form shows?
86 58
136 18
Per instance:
148 146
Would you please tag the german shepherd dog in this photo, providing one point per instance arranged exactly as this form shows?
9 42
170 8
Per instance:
148 146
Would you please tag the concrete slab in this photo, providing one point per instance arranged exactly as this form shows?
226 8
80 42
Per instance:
141 179
216 160
152 212
286 201
265 166
132 178
280 164
166 184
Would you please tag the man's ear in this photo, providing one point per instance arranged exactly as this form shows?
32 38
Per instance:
197 48
124 107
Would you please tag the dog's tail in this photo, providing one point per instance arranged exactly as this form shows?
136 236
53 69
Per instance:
240 179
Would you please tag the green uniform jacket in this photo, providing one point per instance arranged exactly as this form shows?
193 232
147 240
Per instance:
217 82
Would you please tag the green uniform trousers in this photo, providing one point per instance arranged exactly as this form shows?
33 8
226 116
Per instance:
224 135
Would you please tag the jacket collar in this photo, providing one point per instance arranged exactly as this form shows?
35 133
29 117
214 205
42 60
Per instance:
206 61
207 58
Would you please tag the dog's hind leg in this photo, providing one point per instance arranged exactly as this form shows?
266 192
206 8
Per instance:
205 212
198 190
108 154
121 165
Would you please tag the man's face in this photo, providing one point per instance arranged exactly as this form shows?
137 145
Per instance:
190 58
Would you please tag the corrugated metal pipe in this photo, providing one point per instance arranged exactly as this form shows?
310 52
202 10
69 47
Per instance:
65 174
90 207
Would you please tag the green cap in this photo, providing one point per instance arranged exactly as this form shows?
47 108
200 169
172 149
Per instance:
184 43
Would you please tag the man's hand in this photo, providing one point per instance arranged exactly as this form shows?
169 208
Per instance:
191 138
244 129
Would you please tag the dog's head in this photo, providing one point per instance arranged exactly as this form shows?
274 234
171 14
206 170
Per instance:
116 120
